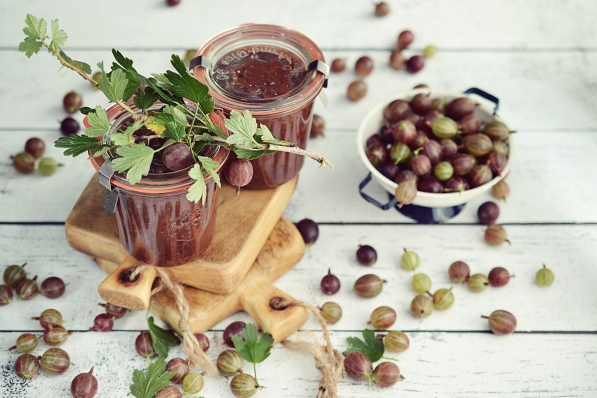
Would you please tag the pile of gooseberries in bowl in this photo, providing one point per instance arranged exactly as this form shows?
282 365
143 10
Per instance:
435 148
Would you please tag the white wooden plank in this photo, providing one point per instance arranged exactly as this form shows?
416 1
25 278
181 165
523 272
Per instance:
334 24
551 91
437 364
552 181
567 250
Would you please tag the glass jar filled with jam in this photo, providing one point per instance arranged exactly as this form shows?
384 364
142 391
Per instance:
157 224
276 74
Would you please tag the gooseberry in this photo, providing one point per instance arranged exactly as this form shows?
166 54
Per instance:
317 126
309 230
374 140
501 147
52 287
478 144
444 127
103 323
356 90
173 3
27 289
407 175
439 105
405 38
26 343
331 312
55 335
338 65
404 132
433 150
495 235
420 164
488 212
497 131
14 274
230 363
358 366
169 392
84 385
415 63
180 367
498 276
460 107
368 285
363 66
501 322
55 361
386 374
497 162
443 299
382 9
421 283
544 277
366 255
443 171
48 166
419 140
49 317
449 148
26 366
396 341
501 190
5 295
389 170
410 260
382 317
72 102
462 164
479 175
429 51
35 147
24 163
377 155
469 124
114 311
144 345
431 185
330 284
397 110
178 156
459 272
97 76
478 283
193 383
397 60
69 126
420 103
234 329
421 306
203 341
456 184
406 192
400 153
238 173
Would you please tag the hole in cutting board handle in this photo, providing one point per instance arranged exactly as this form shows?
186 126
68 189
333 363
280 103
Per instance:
125 276
276 304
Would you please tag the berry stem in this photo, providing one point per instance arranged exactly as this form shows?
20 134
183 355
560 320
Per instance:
483 316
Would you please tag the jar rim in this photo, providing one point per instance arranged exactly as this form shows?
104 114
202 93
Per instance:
180 179
234 37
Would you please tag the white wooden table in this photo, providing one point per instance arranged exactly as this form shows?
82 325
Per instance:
540 59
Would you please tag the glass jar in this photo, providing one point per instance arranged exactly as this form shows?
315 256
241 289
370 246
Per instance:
157 224
266 69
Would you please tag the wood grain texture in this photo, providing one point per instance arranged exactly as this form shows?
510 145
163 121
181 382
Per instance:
93 231
538 91
435 365
281 252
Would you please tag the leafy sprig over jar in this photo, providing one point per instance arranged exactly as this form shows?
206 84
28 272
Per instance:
161 143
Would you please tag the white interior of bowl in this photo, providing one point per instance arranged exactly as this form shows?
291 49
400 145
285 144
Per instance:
373 122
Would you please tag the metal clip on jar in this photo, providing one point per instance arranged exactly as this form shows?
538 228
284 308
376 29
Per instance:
276 74
158 225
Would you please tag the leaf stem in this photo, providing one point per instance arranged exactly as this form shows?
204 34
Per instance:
64 62
255 371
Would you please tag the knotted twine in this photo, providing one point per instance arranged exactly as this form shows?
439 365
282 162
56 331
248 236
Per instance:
192 348
332 365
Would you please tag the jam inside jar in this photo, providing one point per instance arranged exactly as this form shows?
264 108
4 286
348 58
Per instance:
157 224
265 69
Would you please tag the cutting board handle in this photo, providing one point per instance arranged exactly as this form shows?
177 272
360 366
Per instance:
117 288
281 323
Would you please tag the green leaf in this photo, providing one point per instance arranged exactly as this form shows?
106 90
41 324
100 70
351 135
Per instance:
243 127
146 98
207 105
210 166
179 116
174 131
99 123
197 191
79 64
267 137
162 81
250 349
85 110
250 154
78 144
157 122
58 36
156 380
372 347
35 29
30 46
161 338
113 86
126 138
184 84
135 160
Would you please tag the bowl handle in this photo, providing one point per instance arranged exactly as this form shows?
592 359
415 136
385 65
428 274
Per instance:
392 203
486 95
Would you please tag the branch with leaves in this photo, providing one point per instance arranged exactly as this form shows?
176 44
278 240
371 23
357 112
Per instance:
183 120
253 349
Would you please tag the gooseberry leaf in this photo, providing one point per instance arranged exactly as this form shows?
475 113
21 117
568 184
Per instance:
372 347
78 144
58 36
210 166
183 83
174 131
251 349
85 110
179 116
243 127
35 28
113 86
135 160
78 64
146 98
155 380
250 154
157 122
126 138
267 137
30 46
197 191
98 122
161 339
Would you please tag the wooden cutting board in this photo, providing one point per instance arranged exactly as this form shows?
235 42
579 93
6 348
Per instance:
243 224
281 252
